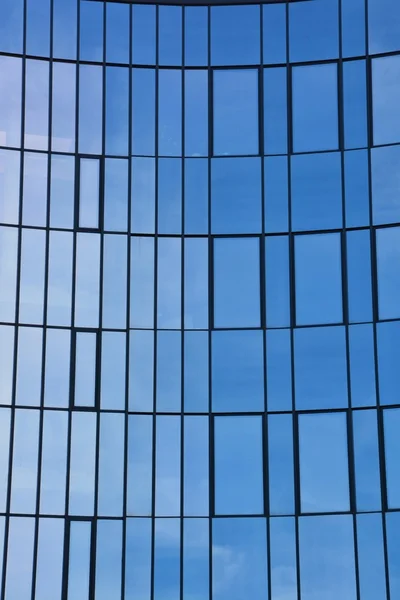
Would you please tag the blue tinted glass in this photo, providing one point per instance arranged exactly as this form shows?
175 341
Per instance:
168 389
117 111
393 533
169 112
196 465
138 558
388 256
383 25
117 32
359 276
143 195
10 103
275 111
170 35
116 195
196 30
8 273
90 109
196 301
196 559
391 420
388 337
167 553
274 33
362 365
366 460
141 359
143 111
139 464
196 112
371 560
196 371
237 371
385 188
282 534
169 195
169 281
91 30
386 99
196 195
279 370
356 182
108 558
11 25
277 281
235 35
276 207
280 465
314 30
355 104
38 27
143 34
65 28
353 27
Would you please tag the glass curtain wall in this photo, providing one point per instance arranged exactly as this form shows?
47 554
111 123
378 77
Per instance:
199 301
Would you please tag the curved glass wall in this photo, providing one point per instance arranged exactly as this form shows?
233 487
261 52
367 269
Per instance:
199 301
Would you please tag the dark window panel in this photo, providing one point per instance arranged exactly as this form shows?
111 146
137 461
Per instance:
169 297
383 25
11 25
38 27
65 28
167 558
393 556
196 371
235 35
195 558
277 278
282 534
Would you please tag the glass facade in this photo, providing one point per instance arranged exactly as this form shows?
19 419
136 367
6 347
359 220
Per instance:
199 301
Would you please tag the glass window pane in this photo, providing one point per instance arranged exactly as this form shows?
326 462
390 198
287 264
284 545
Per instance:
37 104
196 195
38 27
362 365
314 30
235 35
366 460
169 297
5 424
117 110
236 195
143 195
138 555
371 560
236 101
238 468
9 186
196 559
49 566
85 368
353 27
359 292
196 472
282 535
196 35
169 112
20 550
6 362
315 105
139 465
393 555
117 32
116 194
90 109
110 491
196 371
316 191
143 34
275 111
356 182
196 112
355 104
318 279
11 25
113 364
386 99
169 195
25 461
8 273
388 337
279 370
388 256
237 371
280 465
29 366
168 466
170 35
277 281
274 33
383 25
324 467
391 421
34 203
167 559
83 463
276 208
32 276
79 559
58 360
91 30
196 283
59 286
64 28
89 192
108 559
87 280
143 110
114 281
141 365
62 191
385 186
10 103
237 282
63 107
54 462
320 368
168 371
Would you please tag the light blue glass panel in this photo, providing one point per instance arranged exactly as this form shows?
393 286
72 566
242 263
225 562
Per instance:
116 194
89 193
371 560
362 365
9 186
355 104
141 359
196 371
10 103
87 280
110 486
117 32
34 203
65 28
276 209
143 194
168 466
385 184
275 111
90 109
83 463
32 276
108 559
57 365
279 370
320 368
20 550
391 421
114 281
6 362
25 461
383 26
167 558
235 35
386 99
274 33
63 107
170 35
196 35
237 371
169 297
314 30
359 291
169 112
283 558
29 366
388 336
356 182
393 554
5 423
196 559
143 34
79 560
196 112
38 27
169 195
139 465
168 371
353 28
85 368
8 273
62 191
54 462
277 281
49 566
117 111
36 105
138 557
196 195
113 367
366 460
59 285
11 25
91 30
196 283
196 462
388 257
280 465
143 111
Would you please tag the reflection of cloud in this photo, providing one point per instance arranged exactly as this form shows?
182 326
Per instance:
228 566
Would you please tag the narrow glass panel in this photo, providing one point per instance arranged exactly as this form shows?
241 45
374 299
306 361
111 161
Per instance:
282 535
140 457
320 368
169 112
11 25
277 281
196 35
238 456
91 30
275 111
108 559
353 28
37 104
168 392
392 540
167 558
79 556
391 420
196 371
235 35
57 376
236 195
32 276
196 559
280 464
59 285
143 34
324 468
196 196
196 112
386 99
318 279
239 541
20 558
315 104
279 370
237 282
314 31
9 186
169 195
316 191
143 195
196 472
85 368
388 338
54 462
143 111
141 380
366 460
34 203
362 365
384 25
276 208
49 565
113 360
10 102
355 104
87 280
62 191
116 195
142 282
371 561
25 461
29 366
117 32
169 284
170 35
196 283
385 187
65 28
63 107
111 465
38 27
388 257
90 109
117 108
274 33
5 424
82 465
237 371
138 555
2 531
168 469
89 190
115 256
359 291
236 101
327 557
8 273
356 181
6 362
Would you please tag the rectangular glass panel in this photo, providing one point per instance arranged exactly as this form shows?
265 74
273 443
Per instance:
143 34
385 163
282 535
62 191
355 104
277 281
167 558
143 109
140 460
8 273
63 107
237 282
362 365
169 112
113 366
37 104
388 338
169 297
196 371
57 364
59 285
138 556
64 29
168 391
391 421
274 33
115 257
5 424
280 464
80 535
170 35
25 461
240 42
324 468
116 194
11 25
386 99
356 182
238 467
169 195
117 109
141 366
9 186
196 462
110 491
49 566
85 368
387 257
279 370
353 28
33 262
168 466
276 205
87 280
196 112
108 559
196 559
117 33
10 103
91 30
29 366
371 560
196 283
143 195
83 462
6 362
142 282
89 192
34 202
54 462
196 195
366 460
314 31
275 111
359 292
20 550
393 556
90 109
196 35
236 101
